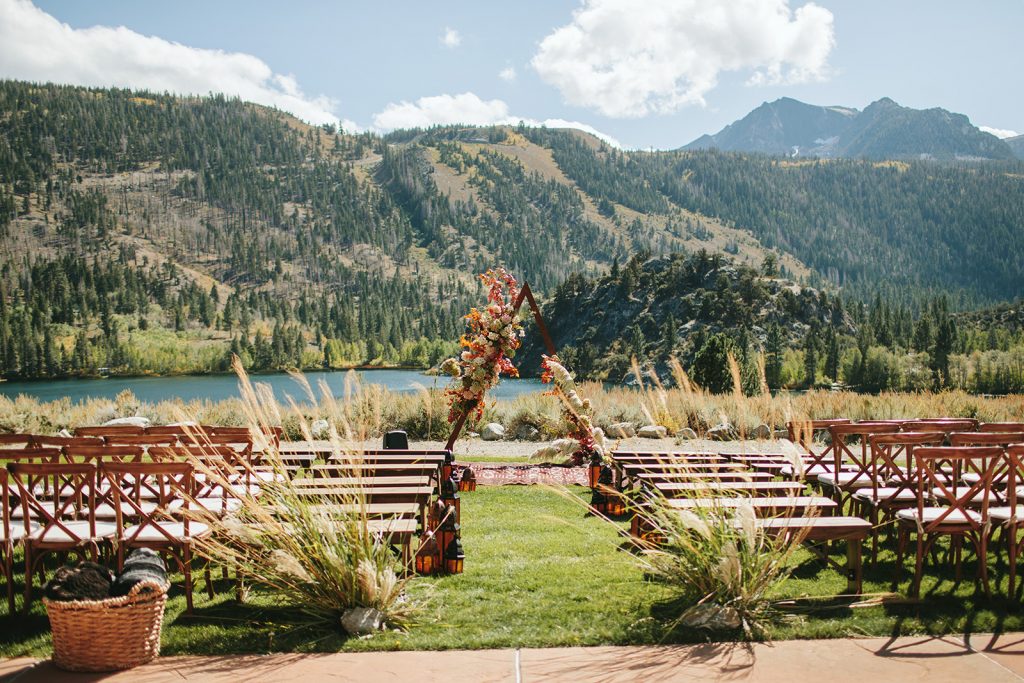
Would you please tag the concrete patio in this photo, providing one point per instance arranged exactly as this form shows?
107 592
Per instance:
920 658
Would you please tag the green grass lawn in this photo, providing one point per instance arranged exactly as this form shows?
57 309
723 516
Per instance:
541 573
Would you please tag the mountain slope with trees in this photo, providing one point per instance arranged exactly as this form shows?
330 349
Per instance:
149 233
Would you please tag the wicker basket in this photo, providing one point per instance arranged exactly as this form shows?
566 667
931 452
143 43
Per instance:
111 634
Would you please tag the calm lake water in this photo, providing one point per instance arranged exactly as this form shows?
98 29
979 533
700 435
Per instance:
220 387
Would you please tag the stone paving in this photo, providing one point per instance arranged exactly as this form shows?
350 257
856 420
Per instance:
916 658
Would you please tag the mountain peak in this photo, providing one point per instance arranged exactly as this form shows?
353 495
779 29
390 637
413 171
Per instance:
884 130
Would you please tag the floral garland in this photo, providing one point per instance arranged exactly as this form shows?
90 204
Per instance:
492 337
586 442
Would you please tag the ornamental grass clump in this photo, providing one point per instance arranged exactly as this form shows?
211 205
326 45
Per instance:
319 555
722 566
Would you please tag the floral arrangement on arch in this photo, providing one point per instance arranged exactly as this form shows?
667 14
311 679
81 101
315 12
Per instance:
492 337
585 442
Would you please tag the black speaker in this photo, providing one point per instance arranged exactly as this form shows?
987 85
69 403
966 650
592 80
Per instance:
396 440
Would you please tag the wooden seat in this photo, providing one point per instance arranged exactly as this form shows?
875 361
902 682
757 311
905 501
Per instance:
165 526
12 533
813 530
763 507
962 512
64 523
761 488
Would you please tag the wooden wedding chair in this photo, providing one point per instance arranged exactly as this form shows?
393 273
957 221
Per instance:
960 513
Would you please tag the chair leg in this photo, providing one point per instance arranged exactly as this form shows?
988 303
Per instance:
186 570
27 599
983 563
915 589
1011 542
901 547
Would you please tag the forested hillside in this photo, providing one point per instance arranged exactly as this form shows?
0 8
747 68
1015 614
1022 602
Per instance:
150 233
702 308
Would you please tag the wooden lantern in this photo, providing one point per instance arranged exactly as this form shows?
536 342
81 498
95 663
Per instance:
450 495
454 556
436 513
428 555
593 474
468 480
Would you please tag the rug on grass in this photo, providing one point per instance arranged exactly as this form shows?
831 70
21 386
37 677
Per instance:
502 474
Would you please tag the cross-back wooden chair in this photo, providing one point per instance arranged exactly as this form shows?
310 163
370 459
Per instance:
220 471
12 533
31 455
103 507
167 527
893 477
65 522
1003 439
1010 518
803 432
851 467
962 513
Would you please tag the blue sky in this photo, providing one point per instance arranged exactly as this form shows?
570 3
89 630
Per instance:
652 73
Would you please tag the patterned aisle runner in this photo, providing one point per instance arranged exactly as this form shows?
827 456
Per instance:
500 474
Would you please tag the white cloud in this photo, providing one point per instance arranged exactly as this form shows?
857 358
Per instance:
1001 133
35 46
451 38
507 74
628 59
465 108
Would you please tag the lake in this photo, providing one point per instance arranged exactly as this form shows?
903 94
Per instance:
220 387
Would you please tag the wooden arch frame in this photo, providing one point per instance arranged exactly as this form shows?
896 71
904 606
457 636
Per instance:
525 294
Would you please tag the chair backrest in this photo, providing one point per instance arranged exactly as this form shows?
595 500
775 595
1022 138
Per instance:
844 455
167 484
174 430
144 440
95 453
941 424
958 496
1001 427
5 500
18 440
74 497
110 430
63 441
29 455
886 451
985 438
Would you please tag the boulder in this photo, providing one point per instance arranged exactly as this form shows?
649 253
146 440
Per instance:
621 430
722 432
781 433
492 431
137 421
525 432
359 621
652 432
762 431
686 434
320 429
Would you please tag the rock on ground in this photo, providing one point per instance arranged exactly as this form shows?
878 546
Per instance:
686 434
652 432
320 429
621 430
762 431
362 620
492 432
